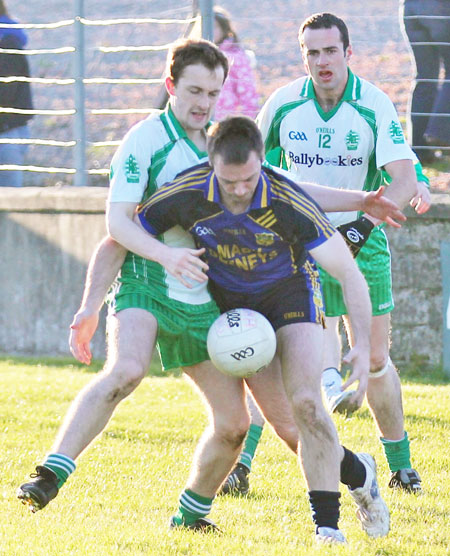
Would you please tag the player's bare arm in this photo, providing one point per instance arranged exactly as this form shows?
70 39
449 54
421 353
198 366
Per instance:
103 267
422 201
183 263
374 203
403 186
335 257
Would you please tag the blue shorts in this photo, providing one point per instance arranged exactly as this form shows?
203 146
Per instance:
294 299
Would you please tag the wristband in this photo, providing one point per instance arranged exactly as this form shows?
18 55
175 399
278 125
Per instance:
356 233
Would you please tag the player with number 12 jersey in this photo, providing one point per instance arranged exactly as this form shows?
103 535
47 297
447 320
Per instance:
343 148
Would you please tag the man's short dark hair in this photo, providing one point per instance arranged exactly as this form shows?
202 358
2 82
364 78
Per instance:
324 21
194 51
234 138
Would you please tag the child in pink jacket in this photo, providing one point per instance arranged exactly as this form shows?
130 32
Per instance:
238 94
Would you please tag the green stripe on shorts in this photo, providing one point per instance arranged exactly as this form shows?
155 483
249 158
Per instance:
374 261
182 328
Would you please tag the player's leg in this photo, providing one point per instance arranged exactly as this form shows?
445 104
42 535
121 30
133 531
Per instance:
131 337
384 389
300 351
384 396
324 461
219 446
253 434
237 481
182 333
268 390
336 400
299 348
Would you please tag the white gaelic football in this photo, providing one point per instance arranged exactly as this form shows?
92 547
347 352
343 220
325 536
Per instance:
241 342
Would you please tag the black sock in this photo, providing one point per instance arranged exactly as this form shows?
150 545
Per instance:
353 472
325 508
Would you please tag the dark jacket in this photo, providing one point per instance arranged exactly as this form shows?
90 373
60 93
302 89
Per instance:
16 94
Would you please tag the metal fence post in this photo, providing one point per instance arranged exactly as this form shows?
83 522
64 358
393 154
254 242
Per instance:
206 10
81 176
445 268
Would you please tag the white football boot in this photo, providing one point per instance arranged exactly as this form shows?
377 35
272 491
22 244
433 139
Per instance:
327 535
372 510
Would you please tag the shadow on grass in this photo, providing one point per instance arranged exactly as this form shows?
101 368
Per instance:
417 371
73 364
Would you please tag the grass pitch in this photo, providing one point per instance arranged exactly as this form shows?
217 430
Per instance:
126 486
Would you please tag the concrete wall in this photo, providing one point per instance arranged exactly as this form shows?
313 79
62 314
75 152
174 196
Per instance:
48 234
46 238
417 319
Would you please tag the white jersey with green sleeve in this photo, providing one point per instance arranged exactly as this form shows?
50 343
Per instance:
344 148
151 154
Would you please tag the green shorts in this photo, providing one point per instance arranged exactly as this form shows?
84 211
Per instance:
374 261
182 327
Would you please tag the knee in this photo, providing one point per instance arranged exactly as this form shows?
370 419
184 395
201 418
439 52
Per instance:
288 432
307 408
123 378
232 430
378 360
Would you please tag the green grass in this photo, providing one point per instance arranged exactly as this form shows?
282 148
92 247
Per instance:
127 483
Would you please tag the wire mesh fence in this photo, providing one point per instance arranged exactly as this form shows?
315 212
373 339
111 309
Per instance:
125 51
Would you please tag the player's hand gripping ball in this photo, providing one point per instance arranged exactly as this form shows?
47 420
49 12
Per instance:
241 342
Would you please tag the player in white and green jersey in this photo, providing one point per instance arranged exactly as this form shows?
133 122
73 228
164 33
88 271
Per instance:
334 128
148 302
149 305
152 153
337 128
347 148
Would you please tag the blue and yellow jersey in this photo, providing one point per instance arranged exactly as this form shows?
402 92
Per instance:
249 251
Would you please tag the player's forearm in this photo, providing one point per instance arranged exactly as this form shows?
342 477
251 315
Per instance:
401 191
335 200
130 234
103 267
334 256
403 185
357 302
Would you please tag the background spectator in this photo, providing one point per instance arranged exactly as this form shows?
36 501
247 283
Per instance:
238 94
16 94
429 97
18 34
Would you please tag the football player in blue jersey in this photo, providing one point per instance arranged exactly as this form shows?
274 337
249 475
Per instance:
335 128
150 301
257 237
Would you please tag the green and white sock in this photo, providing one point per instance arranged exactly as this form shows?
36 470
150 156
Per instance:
397 453
250 445
61 465
192 506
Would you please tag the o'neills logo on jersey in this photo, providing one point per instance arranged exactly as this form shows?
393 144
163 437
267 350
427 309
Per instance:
305 160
